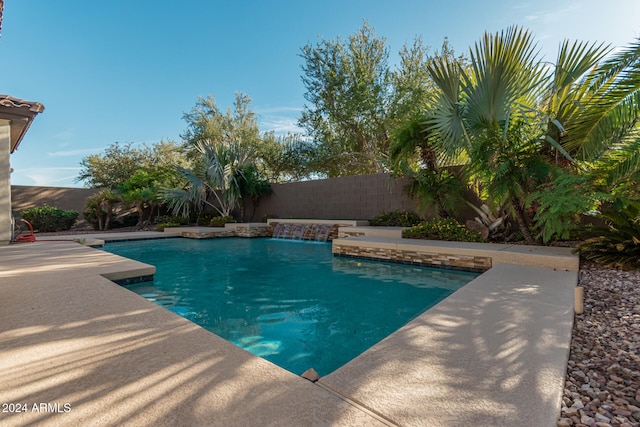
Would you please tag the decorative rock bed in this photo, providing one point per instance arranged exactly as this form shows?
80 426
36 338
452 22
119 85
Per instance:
603 374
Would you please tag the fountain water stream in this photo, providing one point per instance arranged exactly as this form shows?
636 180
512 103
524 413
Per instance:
296 231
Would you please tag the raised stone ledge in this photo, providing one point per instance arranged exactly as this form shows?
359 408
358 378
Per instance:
229 230
473 256
340 222
452 261
251 229
393 232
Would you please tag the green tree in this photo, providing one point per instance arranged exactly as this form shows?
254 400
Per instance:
207 122
251 187
143 190
282 158
120 161
216 175
113 167
356 100
489 112
100 207
516 118
593 103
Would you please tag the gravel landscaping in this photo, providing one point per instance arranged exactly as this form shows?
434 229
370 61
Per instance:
603 373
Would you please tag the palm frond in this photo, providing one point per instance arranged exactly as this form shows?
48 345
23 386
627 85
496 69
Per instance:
610 103
505 71
625 59
621 162
445 118
573 73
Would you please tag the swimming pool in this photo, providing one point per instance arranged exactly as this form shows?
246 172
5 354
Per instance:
290 302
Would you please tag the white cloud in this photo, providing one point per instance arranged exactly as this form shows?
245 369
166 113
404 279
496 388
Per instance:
78 152
280 120
280 125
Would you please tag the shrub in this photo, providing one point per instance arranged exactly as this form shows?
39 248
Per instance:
130 220
491 224
170 219
220 221
203 218
396 219
267 217
442 229
167 221
617 245
560 203
162 226
47 218
99 209
90 215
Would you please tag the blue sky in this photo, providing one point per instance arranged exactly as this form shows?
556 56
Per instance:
127 70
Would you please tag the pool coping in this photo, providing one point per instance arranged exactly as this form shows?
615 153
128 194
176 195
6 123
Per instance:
503 348
471 255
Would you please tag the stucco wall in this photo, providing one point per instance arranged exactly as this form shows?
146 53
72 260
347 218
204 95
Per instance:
24 197
351 197
5 182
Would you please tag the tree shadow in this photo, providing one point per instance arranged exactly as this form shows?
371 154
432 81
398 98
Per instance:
71 337
494 354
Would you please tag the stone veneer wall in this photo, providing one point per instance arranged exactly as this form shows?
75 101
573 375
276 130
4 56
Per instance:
199 234
345 234
441 260
253 231
309 233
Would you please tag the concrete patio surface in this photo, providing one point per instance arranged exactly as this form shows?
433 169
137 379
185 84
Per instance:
70 336
492 354
114 237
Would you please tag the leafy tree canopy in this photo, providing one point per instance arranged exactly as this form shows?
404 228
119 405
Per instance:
119 162
520 122
207 122
356 100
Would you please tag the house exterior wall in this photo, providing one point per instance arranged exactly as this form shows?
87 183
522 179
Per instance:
5 182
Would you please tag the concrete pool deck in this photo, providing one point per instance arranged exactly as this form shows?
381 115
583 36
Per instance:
492 354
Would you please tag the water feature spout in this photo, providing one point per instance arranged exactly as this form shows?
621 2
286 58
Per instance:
303 231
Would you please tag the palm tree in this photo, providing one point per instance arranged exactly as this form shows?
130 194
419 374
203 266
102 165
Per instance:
102 205
516 117
216 174
600 109
488 111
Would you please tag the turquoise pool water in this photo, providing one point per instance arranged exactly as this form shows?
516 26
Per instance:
290 302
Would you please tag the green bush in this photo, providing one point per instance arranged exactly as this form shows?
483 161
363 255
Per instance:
90 215
442 229
560 203
171 219
396 219
267 217
125 221
162 226
203 218
47 218
618 244
220 221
